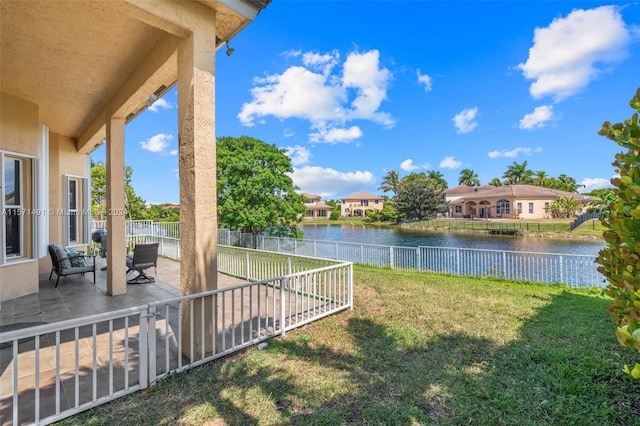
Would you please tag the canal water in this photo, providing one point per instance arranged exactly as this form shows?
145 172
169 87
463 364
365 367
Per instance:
394 236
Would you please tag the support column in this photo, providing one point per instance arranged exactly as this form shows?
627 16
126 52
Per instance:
116 214
198 195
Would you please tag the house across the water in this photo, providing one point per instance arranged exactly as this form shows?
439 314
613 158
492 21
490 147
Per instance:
316 208
508 201
357 205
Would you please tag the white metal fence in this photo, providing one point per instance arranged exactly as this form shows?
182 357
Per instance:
574 270
84 362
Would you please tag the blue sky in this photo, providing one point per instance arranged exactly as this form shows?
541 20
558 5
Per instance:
353 89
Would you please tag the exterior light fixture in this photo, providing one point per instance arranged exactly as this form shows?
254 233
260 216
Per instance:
230 50
152 98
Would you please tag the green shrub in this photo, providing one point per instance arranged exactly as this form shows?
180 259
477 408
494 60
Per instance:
620 259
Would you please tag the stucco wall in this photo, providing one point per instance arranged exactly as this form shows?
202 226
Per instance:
18 134
19 280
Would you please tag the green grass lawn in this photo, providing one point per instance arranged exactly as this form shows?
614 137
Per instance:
590 227
416 349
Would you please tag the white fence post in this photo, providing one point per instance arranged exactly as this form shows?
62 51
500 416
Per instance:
282 310
144 352
248 266
151 335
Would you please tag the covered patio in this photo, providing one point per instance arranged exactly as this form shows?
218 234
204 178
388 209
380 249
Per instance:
76 296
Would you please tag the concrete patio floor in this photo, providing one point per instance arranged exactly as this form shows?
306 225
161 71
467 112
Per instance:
77 296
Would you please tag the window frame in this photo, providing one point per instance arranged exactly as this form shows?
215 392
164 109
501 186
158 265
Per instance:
82 209
530 208
28 198
503 207
19 207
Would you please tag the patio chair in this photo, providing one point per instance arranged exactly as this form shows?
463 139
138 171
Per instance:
144 257
63 266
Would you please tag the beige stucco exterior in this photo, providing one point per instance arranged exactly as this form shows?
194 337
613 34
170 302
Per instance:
509 201
357 205
315 207
72 75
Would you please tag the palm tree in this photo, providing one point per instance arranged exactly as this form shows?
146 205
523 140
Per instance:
468 177
437 179
390 182
541 178
517 174
567 183
495 182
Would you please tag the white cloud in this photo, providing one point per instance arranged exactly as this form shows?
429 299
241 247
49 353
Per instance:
325 62
328 182
173 152
299 155
407 165
287 133
514 152
424 79
450 163
362 72
574 50
325 98
465 121
157 143
291 53
335 135
589 184
537 118
160 103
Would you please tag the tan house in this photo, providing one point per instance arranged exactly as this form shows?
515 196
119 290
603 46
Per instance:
72 75
357 205
316 208
509 201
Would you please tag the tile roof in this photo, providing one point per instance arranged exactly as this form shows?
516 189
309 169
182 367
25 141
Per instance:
521 191
362 196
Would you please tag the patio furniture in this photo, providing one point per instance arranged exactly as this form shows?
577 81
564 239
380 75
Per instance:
144 257
100 237
63 266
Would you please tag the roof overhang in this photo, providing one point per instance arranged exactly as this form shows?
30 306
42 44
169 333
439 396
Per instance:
81 61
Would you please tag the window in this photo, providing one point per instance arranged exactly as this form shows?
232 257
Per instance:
377 201
502 207
77 211
530 208
546 207
519 208
364 203
322 213
309 213
13 207
73 210
16 207
458 209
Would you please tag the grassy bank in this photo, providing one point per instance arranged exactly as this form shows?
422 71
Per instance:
556 228
417 349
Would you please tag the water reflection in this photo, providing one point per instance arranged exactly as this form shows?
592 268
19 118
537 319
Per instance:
392 236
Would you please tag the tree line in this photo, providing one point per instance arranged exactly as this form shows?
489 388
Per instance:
255 191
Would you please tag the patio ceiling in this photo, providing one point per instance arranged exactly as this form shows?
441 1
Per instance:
77 59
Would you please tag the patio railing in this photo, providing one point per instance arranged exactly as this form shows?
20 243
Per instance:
85 362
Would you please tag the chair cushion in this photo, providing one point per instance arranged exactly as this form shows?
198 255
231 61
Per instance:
77 259
62 257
